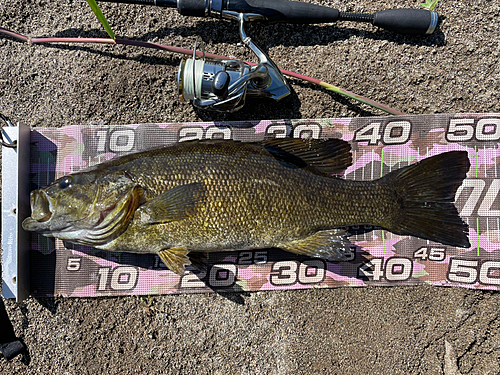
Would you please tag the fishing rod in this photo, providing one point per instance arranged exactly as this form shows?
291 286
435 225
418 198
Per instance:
223 85
406 21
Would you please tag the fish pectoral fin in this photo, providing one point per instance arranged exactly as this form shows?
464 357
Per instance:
178 203
175 259
332 244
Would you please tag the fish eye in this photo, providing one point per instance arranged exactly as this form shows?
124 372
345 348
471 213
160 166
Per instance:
65 182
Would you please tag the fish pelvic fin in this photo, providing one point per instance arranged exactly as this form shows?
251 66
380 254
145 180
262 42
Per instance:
425 193
175 259
178 203
332 244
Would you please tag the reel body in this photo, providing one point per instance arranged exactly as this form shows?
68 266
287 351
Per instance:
207 83
222 85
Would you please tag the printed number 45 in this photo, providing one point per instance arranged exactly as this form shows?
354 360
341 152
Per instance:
436 254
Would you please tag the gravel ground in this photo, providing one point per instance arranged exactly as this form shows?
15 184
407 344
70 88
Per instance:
419 330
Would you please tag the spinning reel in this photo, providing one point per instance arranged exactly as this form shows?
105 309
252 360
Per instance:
222 85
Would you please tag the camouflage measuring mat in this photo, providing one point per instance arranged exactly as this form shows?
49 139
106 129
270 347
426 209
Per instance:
379 145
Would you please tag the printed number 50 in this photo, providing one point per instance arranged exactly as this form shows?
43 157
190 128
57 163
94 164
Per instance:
462 129
466 271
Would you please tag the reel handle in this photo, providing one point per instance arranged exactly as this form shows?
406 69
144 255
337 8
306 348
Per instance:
404 21
407 21
158 3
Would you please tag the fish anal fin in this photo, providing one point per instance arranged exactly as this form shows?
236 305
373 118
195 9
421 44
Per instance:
322 157
332 244
176 259
175 204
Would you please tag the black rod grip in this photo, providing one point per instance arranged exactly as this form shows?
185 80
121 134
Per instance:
285 11
192 8
407 21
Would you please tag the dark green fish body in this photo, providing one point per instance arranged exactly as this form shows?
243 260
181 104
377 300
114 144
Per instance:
250 199
219 195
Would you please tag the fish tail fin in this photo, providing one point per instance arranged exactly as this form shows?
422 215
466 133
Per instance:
425 192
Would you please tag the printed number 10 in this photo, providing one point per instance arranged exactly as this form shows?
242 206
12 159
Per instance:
122 278
119 140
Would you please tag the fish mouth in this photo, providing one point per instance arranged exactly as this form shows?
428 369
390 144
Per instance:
41 212
40 206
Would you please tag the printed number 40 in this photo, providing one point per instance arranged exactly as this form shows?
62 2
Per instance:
395 132
394 269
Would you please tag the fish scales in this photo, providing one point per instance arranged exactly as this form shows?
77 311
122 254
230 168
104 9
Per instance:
252 201
219 195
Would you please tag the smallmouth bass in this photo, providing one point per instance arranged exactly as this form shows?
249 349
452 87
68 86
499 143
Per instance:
214 195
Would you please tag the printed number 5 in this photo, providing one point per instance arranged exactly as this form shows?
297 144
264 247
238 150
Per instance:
74 264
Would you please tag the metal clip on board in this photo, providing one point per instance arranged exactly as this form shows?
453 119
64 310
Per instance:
15 207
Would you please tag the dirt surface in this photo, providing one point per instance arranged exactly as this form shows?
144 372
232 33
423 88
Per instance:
420 330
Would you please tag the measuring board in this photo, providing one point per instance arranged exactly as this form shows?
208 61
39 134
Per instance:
379 146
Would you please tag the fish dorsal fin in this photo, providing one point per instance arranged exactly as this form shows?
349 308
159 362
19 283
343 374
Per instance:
322 157
178 203
331 244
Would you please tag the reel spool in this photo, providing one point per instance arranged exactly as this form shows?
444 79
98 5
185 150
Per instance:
222 85
211 84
